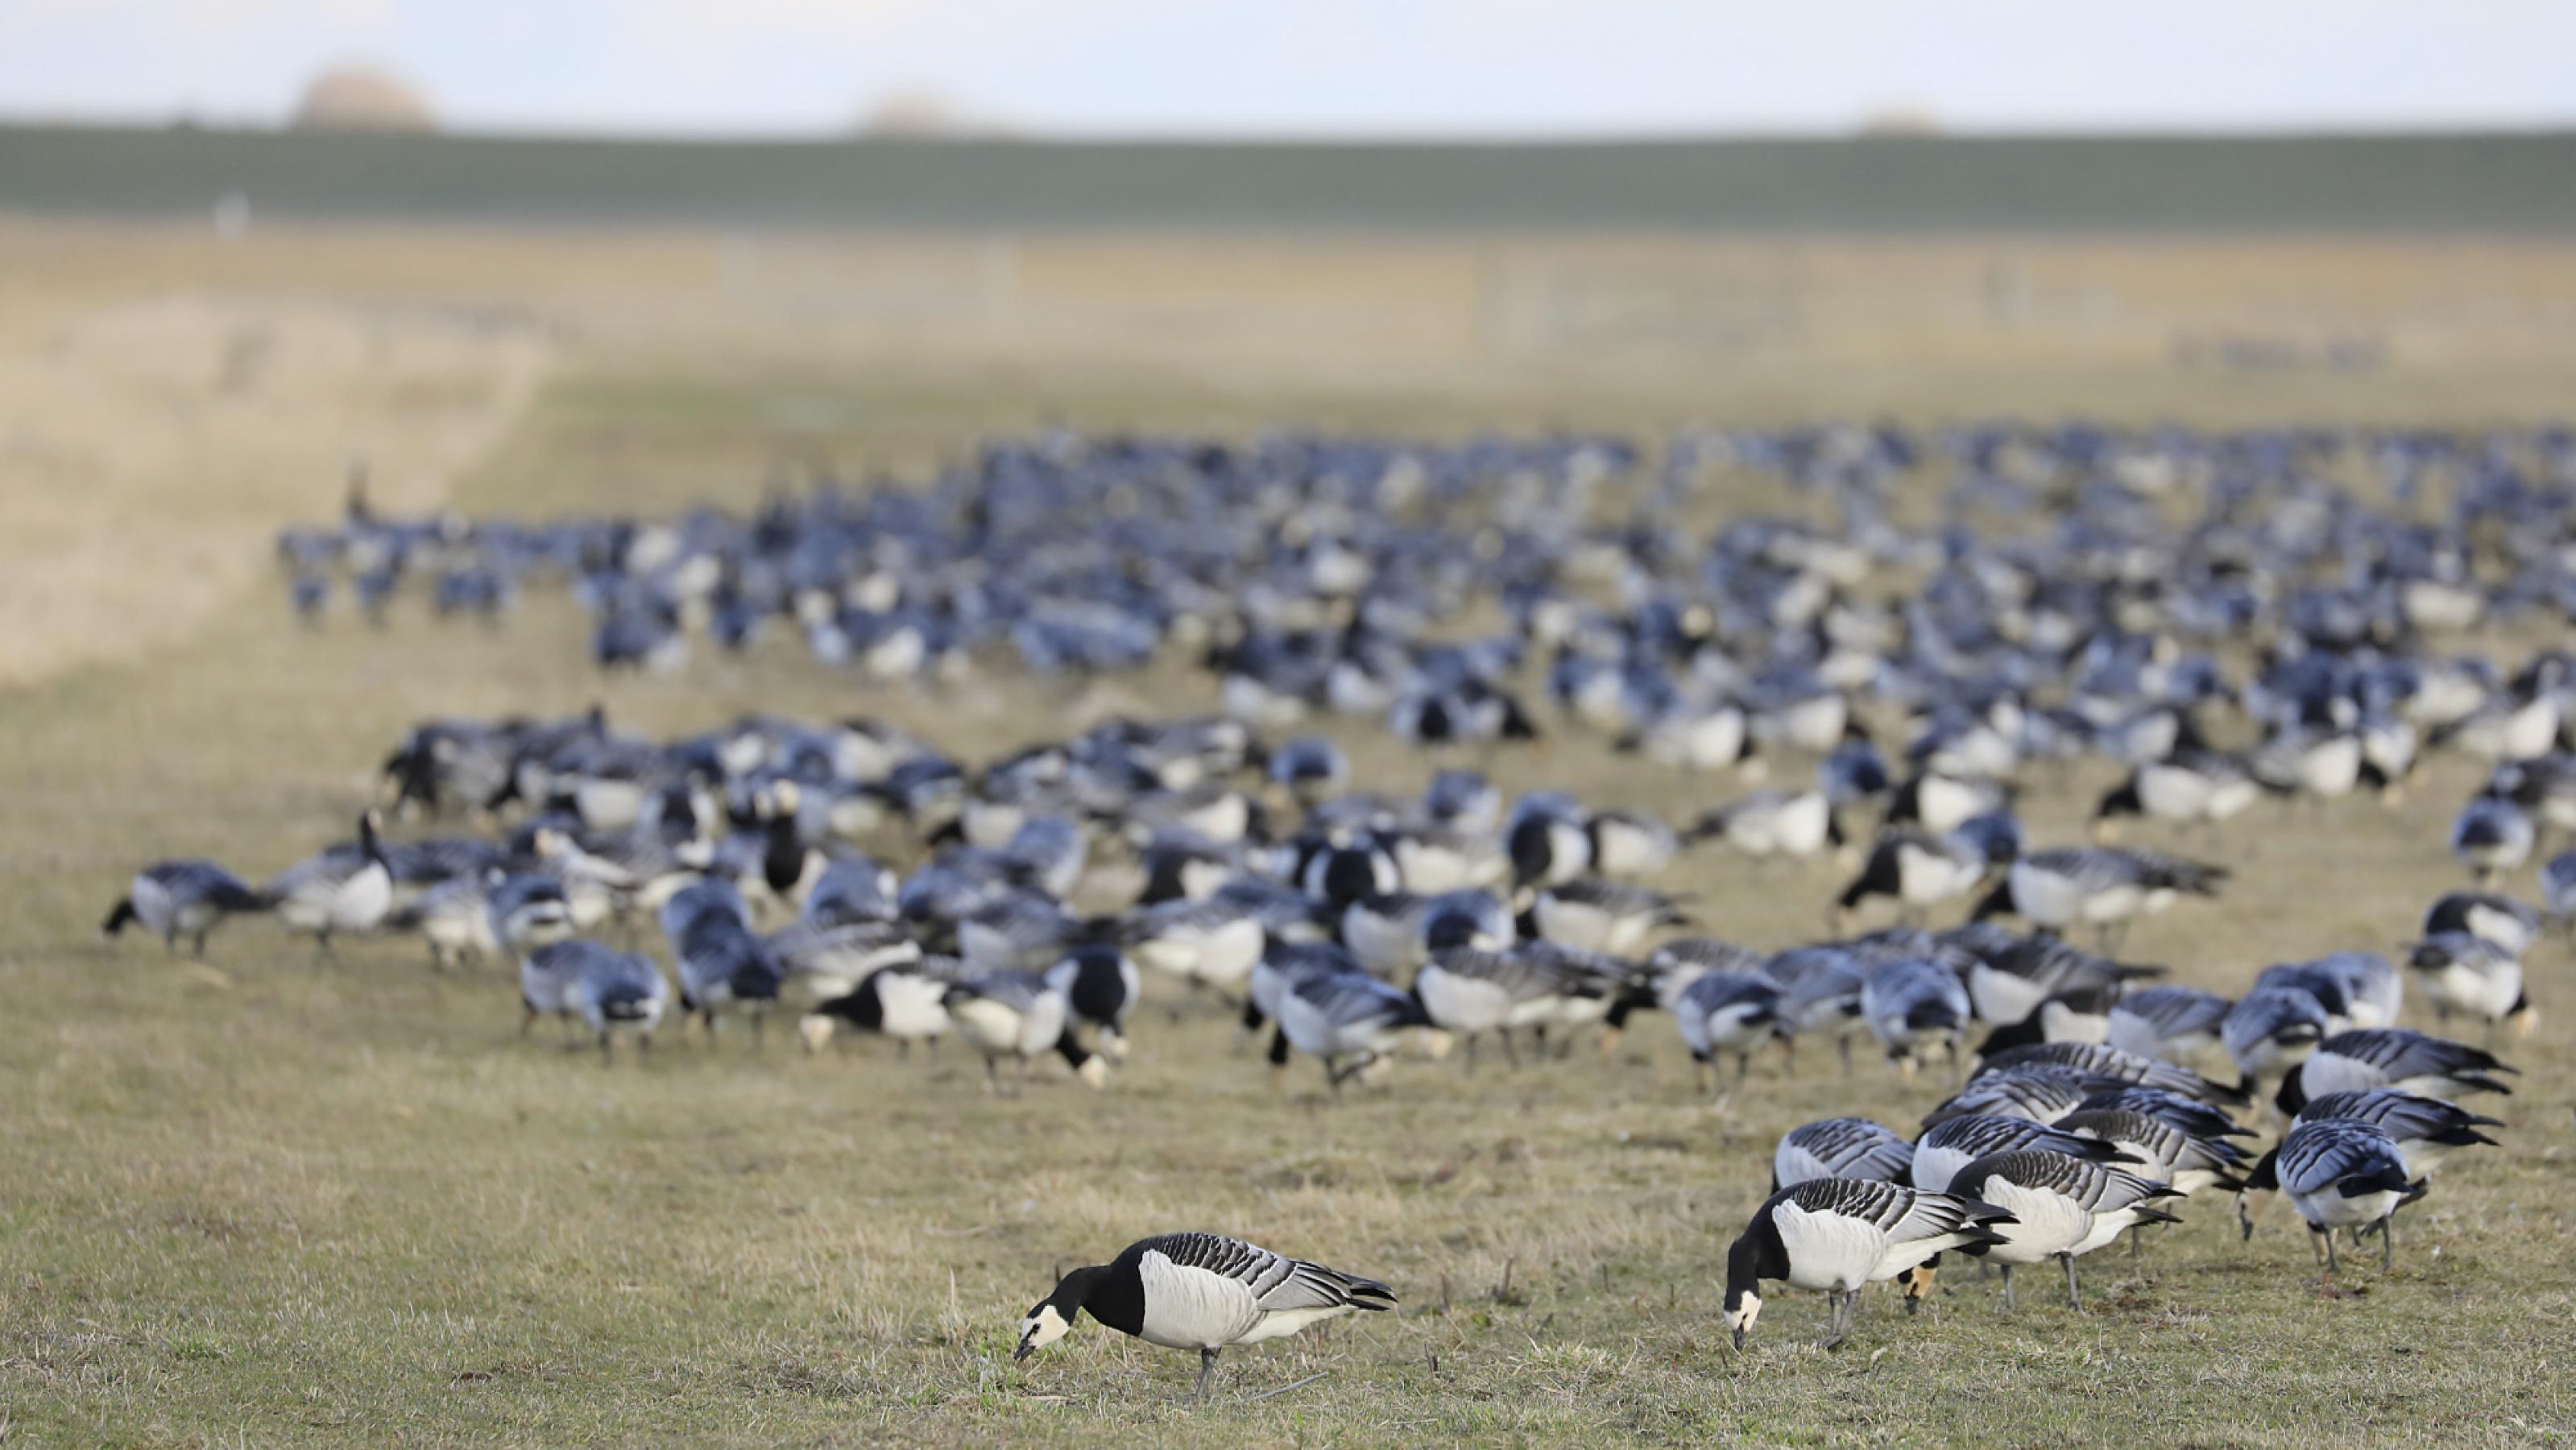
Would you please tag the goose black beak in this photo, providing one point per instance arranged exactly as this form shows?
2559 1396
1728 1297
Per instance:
1739 1339
1024 1351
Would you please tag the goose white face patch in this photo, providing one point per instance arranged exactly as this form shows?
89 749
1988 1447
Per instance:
1041 1329
1741 1314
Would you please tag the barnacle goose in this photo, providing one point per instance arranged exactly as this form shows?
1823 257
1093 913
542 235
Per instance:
1545 839
580 978
2009 980
1593 915
1837 1234
1917 870
2426 1130
2273 1029
850 890
2060 1207
2473 975
830 961
2161 1152
2492 836
2073 1014
1723 1011
1332 1016
1766 823
2173 1024
906 1001
1840 1148
346 888
1200 1291
1912 1006
182 898
2357 989
2040 1092
1203 943
1099 986
2190 787
1939 802
1629 843
2344 1173
1820 993
2508 923
1953 1143
1470 991
2396 1057
2099 1060
722 962
454 917
1013 1014
2098 886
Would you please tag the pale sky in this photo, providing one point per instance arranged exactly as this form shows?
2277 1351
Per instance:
1330 68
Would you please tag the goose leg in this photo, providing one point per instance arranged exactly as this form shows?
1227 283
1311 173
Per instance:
1511 1050
1207 1371
2074 1299
1843 1046
2134 1230
2008 1294
2328 1237
2388 1243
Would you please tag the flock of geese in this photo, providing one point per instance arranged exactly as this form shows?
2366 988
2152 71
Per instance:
2226 620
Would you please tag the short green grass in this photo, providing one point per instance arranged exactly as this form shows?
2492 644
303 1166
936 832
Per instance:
268 1200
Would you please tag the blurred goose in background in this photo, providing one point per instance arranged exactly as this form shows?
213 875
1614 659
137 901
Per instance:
1841 1148
172 899
2474 975
344 890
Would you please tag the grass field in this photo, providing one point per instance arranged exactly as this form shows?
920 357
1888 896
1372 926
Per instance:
268 1200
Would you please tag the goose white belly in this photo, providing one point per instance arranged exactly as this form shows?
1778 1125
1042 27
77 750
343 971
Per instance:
2331 1210
2490 993
2172 793
2331 768
1802 824
912 1006
1462 1004
1709 742
1227 954
1827 1250
1386 945
1577 924
166 915
1735 1027
1935 1167
1945 804
2049 1222
1815 724
608 805
1927 878
354 903
1193 1308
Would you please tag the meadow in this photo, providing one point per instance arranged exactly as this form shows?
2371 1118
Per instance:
267 1199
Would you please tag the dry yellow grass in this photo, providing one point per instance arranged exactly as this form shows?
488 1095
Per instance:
274 1201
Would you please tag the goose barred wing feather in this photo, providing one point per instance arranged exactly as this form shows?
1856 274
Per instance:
2318 1155
2103 1061
2402 1053
1278 1283
2405 1116
1849 1148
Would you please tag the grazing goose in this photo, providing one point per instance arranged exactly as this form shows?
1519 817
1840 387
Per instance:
2170 1156
173 899
2273 1029
1099 986
2097 886
2492 836
1912 1006
1840 1148
454 917
1917 870
1332 1016
2190 787
1954 1143
1629 843
723 963
1545 839
1939 802
2357 989
2171 1024
830 961
1722 1011
1206 944
618 990
2076 1014
2039 1092
906 1001
2344 1173
1594 915
2473 975
2060 1207
2098 1060
1013 1014
2500 919
1837 1234
1820 993
2391 1057
851 890
1200 1291
347 888
1470 991
2010 980
2427 1131
1796 824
